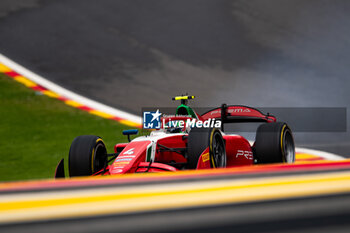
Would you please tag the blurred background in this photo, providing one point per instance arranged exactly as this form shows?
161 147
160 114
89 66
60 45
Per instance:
270 54
132 54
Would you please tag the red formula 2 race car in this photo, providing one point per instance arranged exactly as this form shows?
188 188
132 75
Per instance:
175 146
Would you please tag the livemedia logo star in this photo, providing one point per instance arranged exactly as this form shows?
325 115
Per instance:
151 120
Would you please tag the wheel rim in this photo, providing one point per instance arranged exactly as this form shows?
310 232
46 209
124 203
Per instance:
289 148
99 157
219 152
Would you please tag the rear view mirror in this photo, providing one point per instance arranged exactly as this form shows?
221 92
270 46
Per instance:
130 132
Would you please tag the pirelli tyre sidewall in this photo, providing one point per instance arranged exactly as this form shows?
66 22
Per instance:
201 138
274 143
87 155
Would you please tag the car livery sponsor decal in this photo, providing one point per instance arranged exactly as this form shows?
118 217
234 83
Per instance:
129 152
118 170
126 156
238 110
205 157
118 160
234 110
246 154
120 163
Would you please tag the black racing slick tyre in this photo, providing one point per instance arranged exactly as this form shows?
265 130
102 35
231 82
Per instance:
201 138
87 155
274 143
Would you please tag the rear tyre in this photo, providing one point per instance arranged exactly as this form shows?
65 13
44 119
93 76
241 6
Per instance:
87 155
274 143
201 138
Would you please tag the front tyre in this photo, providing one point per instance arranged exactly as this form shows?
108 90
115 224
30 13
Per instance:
87 155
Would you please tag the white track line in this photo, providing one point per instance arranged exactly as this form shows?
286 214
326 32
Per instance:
113 111
66 93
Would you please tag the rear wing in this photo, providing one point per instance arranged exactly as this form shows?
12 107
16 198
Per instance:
237 114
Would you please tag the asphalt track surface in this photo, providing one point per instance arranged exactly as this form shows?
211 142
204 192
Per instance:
133 54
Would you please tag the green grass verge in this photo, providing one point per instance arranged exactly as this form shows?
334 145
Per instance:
36 131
